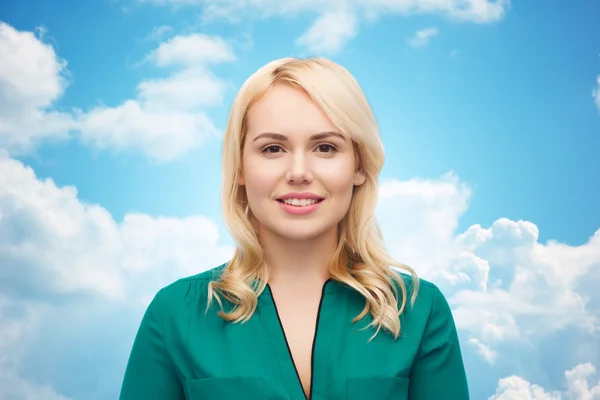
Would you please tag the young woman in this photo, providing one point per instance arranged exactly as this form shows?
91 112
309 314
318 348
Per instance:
309 307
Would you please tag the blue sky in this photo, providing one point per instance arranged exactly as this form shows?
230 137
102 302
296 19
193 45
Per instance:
490 117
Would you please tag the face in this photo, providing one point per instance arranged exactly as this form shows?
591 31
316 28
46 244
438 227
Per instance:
297 168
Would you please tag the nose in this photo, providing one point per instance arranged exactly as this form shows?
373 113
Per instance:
299 170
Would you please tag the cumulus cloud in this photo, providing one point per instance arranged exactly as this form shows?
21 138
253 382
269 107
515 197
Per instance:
532 288
336 23
192 51
161 134
419 215
54 245
502 283
166 119
32 78
422 37
579 386
330 32
69 267
514 387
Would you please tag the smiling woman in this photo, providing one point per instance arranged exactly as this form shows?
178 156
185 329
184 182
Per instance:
276 166
309 307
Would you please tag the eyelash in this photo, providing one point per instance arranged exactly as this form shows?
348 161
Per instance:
332 147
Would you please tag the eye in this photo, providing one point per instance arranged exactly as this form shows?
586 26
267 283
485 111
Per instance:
272 149
326 148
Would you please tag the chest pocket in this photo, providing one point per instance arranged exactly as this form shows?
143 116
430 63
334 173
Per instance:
380 388
230 388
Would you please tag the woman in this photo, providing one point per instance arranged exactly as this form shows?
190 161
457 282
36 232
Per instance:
309 306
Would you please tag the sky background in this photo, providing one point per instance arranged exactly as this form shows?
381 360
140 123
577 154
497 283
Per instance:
111 117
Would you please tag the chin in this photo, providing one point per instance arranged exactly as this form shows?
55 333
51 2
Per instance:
300 236
304 231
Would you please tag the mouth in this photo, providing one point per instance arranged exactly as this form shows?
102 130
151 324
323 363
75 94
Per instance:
299 202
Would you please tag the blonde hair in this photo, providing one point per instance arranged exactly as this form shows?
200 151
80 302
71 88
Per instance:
360 260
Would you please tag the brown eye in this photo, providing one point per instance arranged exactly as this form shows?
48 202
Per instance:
326 148
273 149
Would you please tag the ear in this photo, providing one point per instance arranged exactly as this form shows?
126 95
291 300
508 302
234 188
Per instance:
240 178
359 177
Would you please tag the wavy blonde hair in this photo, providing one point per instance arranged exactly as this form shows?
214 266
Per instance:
360 259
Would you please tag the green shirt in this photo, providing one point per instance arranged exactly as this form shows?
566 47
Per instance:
180 352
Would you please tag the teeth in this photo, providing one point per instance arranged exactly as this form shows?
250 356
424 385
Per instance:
300 202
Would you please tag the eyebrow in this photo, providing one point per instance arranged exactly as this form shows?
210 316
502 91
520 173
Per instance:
283 138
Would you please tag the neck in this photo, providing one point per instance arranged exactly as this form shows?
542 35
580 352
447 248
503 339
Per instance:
298 263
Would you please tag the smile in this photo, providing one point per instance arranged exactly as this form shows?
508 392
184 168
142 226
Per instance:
299 206
300 202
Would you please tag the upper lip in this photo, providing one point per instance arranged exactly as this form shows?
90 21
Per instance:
304 195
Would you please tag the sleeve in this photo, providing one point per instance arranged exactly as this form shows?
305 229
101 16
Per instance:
150 373
438 371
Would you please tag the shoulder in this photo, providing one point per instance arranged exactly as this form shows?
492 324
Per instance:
194 282
430 302
430 318
425 289
192 288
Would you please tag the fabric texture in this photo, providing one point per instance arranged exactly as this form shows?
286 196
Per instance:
182 352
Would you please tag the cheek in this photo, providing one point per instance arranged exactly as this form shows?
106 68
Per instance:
338 179
259 179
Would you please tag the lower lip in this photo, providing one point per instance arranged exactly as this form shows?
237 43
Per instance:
298 210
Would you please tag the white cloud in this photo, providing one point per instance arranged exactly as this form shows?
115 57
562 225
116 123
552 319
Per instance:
336 23
55 245
502 283
484 351
44 234
30 68
480 11
161 134
32 78
159 32
596 93
420 215
186 90
69 267
516 388
13 387
166 119
578 382
192 51
330 32
531 287
579 386
422 37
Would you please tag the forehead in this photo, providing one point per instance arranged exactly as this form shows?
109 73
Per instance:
288 110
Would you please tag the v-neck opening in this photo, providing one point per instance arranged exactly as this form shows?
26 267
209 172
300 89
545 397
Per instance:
314 341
